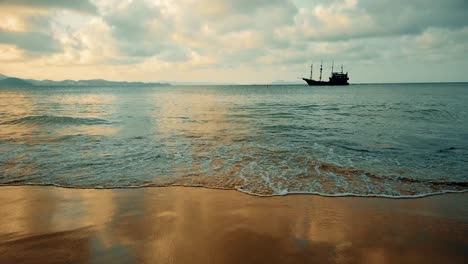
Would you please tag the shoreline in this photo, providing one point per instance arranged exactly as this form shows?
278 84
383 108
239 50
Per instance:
342 195
200 225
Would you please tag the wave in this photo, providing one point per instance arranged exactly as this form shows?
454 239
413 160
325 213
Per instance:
270 172
353 149
151 185
430 113
451 149
321 178
56 120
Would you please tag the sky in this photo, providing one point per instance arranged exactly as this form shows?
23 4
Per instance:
234 41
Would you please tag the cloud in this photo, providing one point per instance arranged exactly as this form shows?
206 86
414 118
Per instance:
173 29
27 24
200 37
77 5
138 28
91 43
436 45
30 41
350 19
10 53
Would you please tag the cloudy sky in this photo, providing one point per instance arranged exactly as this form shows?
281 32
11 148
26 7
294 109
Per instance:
242 41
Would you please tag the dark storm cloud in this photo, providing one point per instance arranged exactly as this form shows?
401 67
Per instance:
78 5
30 41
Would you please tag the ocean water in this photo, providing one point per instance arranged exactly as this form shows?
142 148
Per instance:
390 140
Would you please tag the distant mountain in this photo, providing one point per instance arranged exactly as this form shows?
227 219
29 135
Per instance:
95 82
12 81
201 83
15 82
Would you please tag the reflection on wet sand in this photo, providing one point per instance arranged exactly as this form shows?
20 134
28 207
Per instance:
190 225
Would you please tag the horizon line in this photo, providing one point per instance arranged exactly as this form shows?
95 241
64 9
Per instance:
195 83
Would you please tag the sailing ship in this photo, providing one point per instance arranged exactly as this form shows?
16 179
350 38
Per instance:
336 78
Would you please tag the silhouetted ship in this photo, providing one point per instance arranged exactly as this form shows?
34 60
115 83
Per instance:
336 78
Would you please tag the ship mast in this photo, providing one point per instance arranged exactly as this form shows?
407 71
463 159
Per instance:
341 68
333 63
321 62
311 70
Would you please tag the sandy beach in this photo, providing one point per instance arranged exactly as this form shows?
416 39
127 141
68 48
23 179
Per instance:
198 225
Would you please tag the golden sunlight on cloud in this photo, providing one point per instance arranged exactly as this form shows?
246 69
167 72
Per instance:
156 64
332 19
15 18
12 23
90 44
242 40
213 9
9 53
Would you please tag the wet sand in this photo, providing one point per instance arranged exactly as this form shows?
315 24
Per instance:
197 225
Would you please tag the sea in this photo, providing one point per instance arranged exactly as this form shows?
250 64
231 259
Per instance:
384 140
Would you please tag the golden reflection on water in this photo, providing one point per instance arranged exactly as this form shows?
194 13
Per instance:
201 119
189 225
16 105
84 103
13 106
91 130
194 115
80 105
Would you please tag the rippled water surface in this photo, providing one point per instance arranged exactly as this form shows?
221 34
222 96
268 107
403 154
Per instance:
393 140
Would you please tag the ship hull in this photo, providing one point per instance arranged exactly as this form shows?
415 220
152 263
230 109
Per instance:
323 83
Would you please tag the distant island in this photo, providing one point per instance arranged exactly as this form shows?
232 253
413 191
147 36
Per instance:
17 82
283 82
12 81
